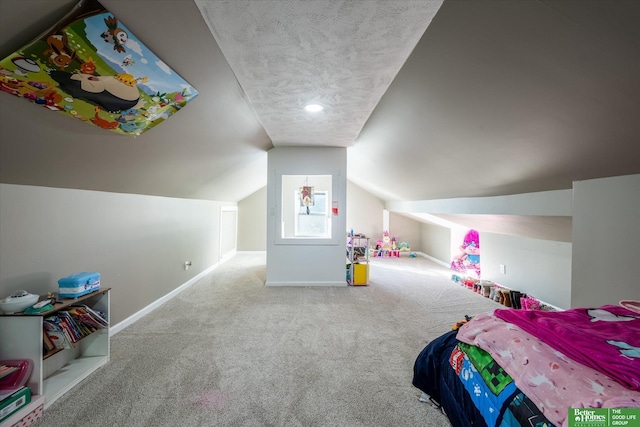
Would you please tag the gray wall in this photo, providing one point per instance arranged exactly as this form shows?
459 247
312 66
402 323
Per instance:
364 212
252 222
406 230
365 215
606 238
436 242
541 268
138 243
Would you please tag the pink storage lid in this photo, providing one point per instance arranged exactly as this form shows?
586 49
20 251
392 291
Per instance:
16 379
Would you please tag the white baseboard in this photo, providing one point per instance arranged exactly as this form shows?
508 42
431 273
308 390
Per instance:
228 256
436 260
298 283
157 303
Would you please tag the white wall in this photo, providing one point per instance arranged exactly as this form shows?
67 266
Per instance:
606 238
137 243
252 222
228 231
306 262
546 203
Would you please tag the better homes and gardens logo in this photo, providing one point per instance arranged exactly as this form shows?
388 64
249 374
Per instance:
604 417
587 417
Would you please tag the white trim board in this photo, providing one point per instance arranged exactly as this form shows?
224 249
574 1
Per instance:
436 260
300 283
228 256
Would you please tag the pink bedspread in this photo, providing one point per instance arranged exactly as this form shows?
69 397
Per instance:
552 381
606 338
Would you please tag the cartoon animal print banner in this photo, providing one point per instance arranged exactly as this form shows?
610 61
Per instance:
92 68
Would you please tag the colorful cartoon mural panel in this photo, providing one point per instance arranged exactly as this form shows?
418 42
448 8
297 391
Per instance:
90 67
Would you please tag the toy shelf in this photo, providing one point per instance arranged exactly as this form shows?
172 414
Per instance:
56 372
357 260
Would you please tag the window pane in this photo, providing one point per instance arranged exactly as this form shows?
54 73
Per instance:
296 222
318 208
313 223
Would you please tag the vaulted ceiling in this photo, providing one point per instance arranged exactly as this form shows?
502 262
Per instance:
461 98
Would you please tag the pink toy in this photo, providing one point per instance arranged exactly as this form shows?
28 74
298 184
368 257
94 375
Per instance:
468 260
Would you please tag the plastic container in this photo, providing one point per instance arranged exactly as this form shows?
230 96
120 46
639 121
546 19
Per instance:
78 284
17 379
360 274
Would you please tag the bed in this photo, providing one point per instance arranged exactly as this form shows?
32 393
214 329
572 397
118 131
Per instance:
529 367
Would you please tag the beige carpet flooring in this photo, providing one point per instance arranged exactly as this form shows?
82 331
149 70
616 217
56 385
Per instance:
231 352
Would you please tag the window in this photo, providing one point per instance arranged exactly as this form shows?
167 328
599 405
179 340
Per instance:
316 221
297 223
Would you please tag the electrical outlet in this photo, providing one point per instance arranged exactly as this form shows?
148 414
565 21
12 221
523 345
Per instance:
503 269
187 264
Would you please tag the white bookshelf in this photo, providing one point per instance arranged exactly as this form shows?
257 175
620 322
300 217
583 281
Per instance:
55 373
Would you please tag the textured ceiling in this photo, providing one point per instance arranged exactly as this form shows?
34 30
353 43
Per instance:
341 54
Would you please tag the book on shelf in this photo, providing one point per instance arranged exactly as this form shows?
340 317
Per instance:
67 331
90 318
67 327
98 316
46 341
70 325
53 328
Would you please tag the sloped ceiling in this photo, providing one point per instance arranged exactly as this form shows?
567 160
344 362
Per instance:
191 155
494 97
505 97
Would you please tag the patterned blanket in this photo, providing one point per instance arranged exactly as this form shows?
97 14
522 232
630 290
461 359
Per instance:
606 338
492 391
493 375
552 381
489 404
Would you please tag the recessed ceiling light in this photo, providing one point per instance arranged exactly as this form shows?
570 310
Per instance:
313 108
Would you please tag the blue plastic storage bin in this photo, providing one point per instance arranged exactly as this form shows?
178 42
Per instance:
78 284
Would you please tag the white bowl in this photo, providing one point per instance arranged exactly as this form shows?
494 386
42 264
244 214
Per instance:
18 301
